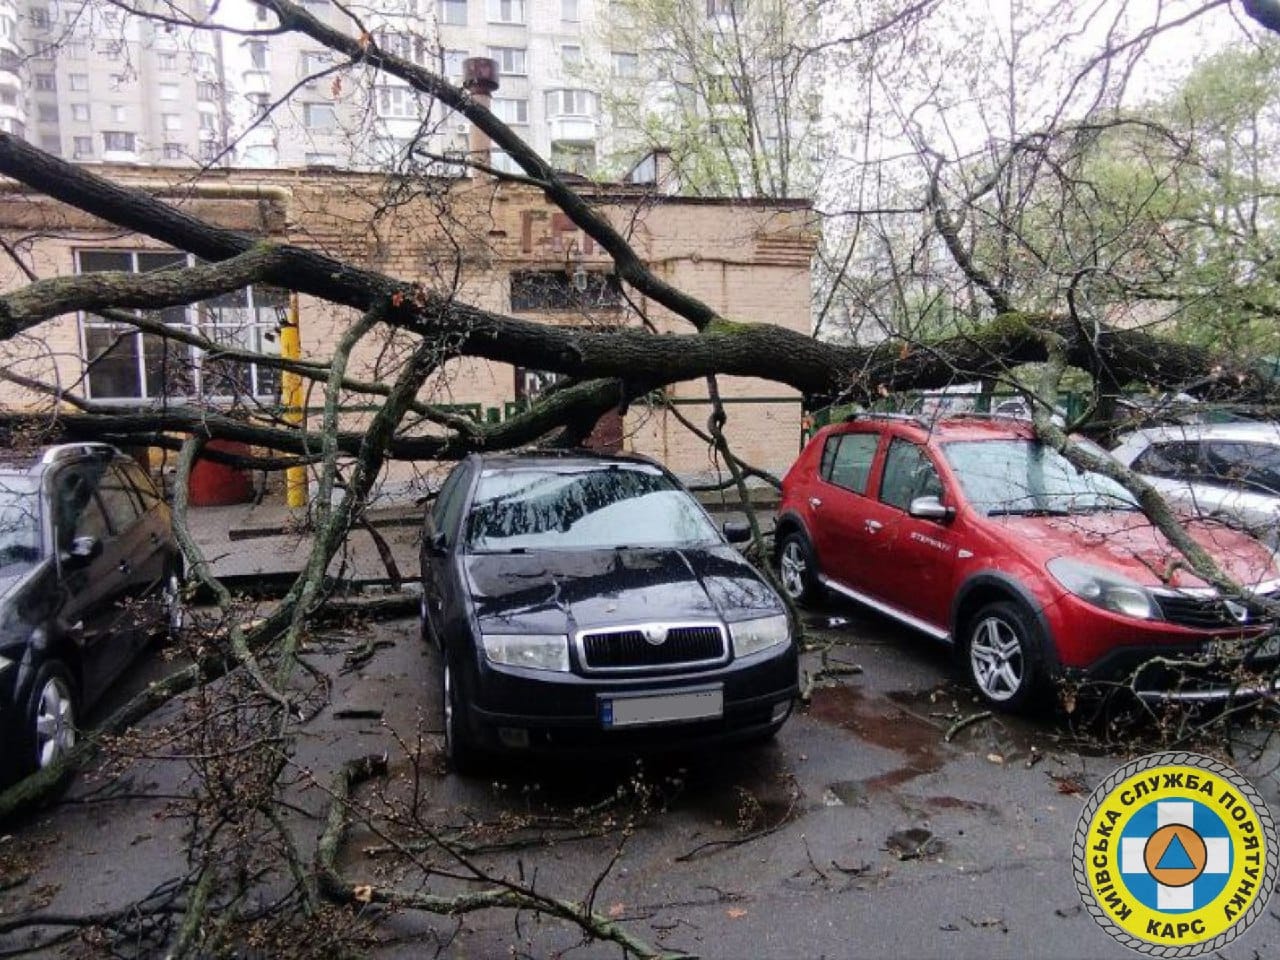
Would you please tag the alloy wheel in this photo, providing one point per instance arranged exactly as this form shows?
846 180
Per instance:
794 569
996 659
55 722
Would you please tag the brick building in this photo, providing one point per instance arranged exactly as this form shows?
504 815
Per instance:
500 246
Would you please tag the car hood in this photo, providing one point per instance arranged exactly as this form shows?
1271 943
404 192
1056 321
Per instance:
565 591
1130 543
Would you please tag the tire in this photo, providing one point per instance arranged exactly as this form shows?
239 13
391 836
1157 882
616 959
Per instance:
797 570
1003 657
52 713
460 753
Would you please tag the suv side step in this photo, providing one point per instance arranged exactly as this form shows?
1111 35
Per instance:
888 611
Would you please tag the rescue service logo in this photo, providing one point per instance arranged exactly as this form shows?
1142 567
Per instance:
1175 855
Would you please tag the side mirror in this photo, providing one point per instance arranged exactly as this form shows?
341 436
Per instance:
736 531
930 508
439 544
82 552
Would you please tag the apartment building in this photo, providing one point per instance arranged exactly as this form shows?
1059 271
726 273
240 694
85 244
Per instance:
93 84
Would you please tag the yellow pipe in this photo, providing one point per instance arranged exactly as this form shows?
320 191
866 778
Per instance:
295 483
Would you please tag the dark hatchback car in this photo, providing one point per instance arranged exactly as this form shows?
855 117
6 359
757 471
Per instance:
88 564
588 601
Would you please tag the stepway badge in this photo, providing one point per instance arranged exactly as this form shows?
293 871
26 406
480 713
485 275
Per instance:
1175 855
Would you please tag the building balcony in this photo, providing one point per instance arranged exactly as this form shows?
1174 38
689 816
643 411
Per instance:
256 81
578 130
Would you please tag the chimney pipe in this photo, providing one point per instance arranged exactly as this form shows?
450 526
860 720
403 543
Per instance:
480 79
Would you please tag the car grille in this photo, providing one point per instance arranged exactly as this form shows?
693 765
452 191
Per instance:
1205 613
627 648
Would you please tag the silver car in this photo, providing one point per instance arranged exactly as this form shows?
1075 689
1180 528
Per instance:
1228 471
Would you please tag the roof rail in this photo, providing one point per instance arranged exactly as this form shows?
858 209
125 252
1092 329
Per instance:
64 451
871 415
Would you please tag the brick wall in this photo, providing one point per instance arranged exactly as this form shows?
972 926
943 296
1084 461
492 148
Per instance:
749 260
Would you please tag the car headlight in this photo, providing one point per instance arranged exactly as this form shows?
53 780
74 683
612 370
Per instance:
752 636
537 651
6 663
1103 588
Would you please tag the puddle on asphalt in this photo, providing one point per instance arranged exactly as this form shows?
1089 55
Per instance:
882 723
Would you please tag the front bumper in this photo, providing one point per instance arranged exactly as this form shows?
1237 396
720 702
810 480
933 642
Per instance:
1185 673
510 709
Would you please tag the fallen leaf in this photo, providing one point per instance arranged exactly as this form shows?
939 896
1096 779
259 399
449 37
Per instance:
335 88
616 911
363 893
995 757
735 913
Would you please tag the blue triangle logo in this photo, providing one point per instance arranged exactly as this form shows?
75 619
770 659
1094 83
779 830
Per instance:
1175 857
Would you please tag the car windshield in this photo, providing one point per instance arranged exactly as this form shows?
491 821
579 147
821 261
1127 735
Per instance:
565 508
19 523
1024 477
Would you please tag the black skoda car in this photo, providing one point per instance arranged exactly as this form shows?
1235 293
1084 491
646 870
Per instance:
588 601
88 569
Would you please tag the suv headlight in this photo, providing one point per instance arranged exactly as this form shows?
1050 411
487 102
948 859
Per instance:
5 663
1104 588
752 636
537 651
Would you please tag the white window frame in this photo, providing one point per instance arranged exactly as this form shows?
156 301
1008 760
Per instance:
512 111
397 103
452 5
308 120
511 54
506 11
244 327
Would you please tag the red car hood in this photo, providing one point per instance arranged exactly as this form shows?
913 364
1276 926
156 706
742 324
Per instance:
1128 542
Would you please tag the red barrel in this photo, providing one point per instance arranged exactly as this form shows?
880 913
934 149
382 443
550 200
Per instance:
218 484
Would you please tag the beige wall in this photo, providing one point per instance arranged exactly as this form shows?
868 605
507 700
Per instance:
750 261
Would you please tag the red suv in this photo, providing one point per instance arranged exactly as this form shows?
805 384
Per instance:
970 530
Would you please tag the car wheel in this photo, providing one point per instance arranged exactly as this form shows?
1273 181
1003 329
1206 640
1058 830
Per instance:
51 717
175 610
797 569
460 753
1002 653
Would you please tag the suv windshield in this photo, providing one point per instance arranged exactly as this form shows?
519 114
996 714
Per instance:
1024 477
19 523
566 508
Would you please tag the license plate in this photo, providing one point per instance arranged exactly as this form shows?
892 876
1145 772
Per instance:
661 708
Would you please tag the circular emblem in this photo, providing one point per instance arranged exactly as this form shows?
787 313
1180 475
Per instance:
1175 854
655 636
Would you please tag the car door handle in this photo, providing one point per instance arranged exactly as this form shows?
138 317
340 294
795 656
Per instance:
815 502
873 526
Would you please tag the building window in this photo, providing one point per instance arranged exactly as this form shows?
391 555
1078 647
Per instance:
81 147
169 91
716 8
261 103
47 113
257 54
397 102
319 116
114 50
208 121
45 51
118 114
321 159
506 11
207 91
79 81
174 151
80 112
403 45
511 111
626 64
569 10
125 364
452 64
314 61
561 290
501 160
39 17
167 61
570 57
204 62
117 141
46 81
171 121
453 12
571 103
51 144
75 50
512 61
210 150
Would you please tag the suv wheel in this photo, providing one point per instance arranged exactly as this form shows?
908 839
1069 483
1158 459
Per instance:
51 717
1002 654
796 569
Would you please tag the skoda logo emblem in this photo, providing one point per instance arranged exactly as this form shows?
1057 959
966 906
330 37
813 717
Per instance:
656 636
